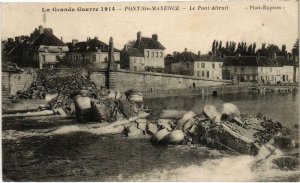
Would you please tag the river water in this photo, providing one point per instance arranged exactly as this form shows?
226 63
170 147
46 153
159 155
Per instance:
52 149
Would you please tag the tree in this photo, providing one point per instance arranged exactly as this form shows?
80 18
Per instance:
213 46
220 45
273 48
250 50
130 43
227 46
253 49
295 50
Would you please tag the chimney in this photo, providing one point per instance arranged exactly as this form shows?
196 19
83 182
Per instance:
74 41
17 39
185 49
125 47
10 40
96 38
41 29
199 53
154 36
49 31
139 36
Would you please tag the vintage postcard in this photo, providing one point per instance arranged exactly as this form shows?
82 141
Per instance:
150 91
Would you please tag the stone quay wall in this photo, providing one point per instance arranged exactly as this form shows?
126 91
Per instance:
150 81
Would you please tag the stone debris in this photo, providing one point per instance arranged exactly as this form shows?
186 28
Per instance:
236 132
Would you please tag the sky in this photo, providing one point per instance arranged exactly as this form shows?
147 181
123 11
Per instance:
177 30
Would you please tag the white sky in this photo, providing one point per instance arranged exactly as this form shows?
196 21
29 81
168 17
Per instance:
176 30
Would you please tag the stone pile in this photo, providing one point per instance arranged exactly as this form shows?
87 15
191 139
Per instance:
34 92
112 107
62 87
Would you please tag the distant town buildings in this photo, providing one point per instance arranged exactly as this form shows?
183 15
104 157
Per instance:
230 61
260 69
146 54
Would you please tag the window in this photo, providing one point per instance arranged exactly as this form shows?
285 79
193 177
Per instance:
253 70
44 58
235 69
198 73
157 54
207 73
134 68
148 54
94 58
220 65
213 66
202 65
198 65
152 54
133 60
187 65
242 70
57 57
161 54
203 73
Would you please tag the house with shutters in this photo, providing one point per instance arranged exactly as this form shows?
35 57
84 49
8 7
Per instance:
146 54
189 63
93 52
262 69
44 49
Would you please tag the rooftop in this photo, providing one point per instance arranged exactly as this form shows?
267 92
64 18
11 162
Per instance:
47 39
262 61
148 43
91 45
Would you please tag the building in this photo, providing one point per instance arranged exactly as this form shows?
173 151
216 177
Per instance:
260 69
12 49
44 49
91 52
189 63
208 66
134 58
146 54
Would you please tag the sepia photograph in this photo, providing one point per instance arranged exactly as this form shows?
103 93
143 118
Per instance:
196 91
